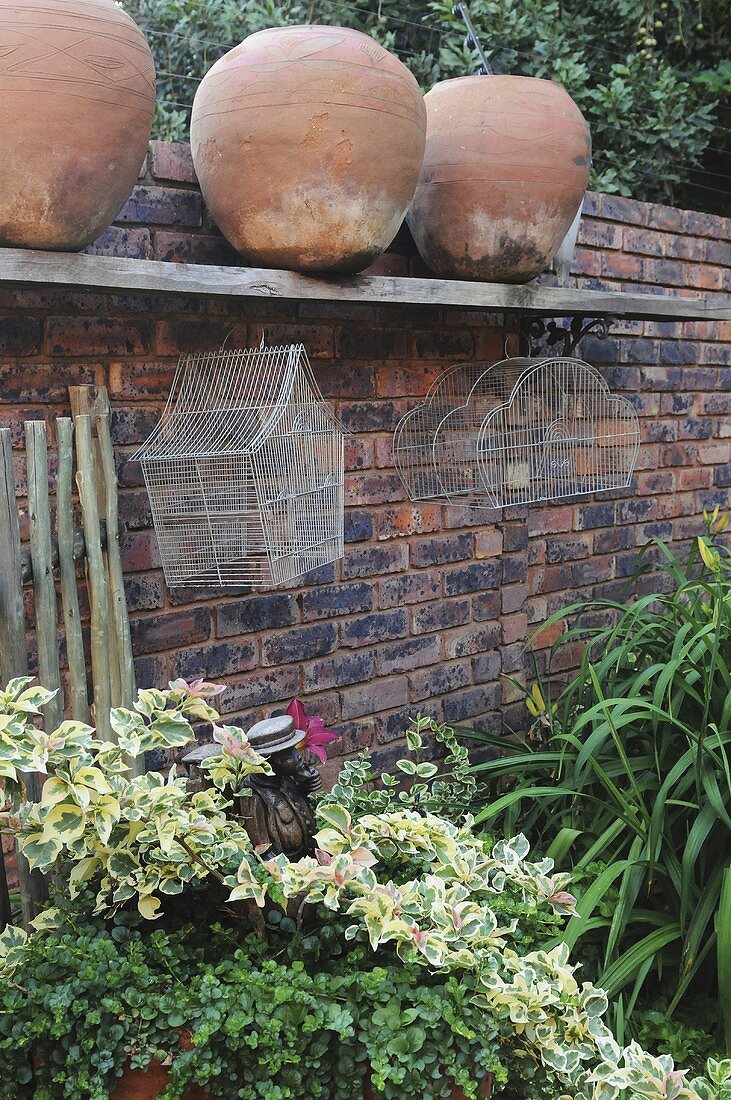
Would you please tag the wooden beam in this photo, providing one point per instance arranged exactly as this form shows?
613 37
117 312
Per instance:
59 269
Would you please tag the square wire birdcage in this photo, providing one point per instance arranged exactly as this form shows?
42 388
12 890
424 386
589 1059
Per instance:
245 471
517 432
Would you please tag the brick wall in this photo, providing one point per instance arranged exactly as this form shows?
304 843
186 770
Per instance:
430 605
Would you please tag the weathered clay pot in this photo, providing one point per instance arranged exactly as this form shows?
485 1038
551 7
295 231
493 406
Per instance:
505 168
308 142
77 94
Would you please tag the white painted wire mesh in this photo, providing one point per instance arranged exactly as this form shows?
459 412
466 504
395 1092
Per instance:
245 471
517 432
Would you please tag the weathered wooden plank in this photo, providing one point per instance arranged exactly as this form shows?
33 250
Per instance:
69 594
44 587
6 915
93 401
120 274
13 657
13 652
114 559
96 574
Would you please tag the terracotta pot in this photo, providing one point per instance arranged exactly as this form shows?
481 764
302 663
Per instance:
77 94
308 142
505 169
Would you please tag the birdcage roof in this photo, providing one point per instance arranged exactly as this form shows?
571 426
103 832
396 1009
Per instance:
229 402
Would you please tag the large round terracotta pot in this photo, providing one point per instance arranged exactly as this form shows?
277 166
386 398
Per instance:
308 142
505 168
77 94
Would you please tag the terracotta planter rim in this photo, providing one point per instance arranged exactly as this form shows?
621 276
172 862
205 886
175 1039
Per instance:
494 76
308 27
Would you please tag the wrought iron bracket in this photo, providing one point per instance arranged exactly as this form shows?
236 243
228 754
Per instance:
535 334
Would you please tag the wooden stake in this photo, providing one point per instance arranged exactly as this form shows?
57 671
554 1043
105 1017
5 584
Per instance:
6 914
71 616
114 557
96 574
44 588
13 652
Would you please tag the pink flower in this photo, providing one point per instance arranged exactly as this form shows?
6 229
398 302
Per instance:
197 689
316 736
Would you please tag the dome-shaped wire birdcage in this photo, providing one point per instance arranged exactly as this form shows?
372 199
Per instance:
245 470
519 431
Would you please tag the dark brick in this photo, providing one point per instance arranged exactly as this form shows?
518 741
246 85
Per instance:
370 416
467 640
440 615
438 549
342 668
515 537
144 593
349 381
359 343
159 632
99 335
117 240
558 549
224 659
408 654
20 336
443 344
409 588
336 599
438 680
191 334
194 248
302 643
377 696
378 627
472 578
486 666
358 526
261 687
368 561
515 568
467 704
596 515
255 614
162 206
45 382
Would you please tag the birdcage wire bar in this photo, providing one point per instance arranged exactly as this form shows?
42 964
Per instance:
245 471
519 431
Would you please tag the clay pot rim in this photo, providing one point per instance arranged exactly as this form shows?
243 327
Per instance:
474 77
313 27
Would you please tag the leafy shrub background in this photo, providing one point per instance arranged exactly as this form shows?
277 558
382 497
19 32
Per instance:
652 78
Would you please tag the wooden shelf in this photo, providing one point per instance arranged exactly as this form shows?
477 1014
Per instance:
58 269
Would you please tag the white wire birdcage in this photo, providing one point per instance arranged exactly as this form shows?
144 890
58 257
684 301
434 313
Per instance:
245 470
517 432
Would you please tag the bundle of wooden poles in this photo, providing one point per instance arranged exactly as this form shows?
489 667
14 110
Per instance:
52 559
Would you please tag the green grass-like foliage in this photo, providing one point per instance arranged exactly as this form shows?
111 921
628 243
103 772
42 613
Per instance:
628 763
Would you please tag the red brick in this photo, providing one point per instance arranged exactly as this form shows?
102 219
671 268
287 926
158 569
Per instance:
408 519
514 627
172 160
319 340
